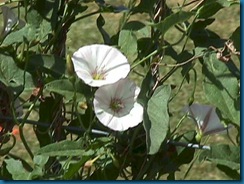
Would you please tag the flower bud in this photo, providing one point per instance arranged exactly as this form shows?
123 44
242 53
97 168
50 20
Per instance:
191 100
198 137
69 66
89 163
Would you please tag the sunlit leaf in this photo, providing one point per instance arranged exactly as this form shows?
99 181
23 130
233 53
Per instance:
13 76
229 157
221 87
73 168
17 170
128 43
211 7
39 163
64 148
65 88
172 20
157 123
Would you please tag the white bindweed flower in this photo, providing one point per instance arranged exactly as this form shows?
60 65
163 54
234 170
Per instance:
98 65
9 21
206 118
115 105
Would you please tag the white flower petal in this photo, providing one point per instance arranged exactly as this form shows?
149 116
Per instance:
129 116
102 59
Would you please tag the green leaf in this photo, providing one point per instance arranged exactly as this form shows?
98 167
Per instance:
221 87
74 168
13 76
64 148
105 35
223 154
40 160
147 84
65 88
228 3
203 37
172 20
49 64
107 172
211 7
208 10
27 33
233 174
128 43
17 170
235 37
134 26
157 123
39 163
144 6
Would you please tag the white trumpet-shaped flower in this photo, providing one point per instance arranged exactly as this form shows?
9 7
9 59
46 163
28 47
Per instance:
115 105
206 119
9 21
98 64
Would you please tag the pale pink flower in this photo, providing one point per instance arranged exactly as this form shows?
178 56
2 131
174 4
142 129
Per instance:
206 119
116 107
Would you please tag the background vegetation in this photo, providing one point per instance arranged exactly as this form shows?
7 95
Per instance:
85 32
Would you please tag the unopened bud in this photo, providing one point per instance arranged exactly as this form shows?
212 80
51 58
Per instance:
83 105
89 163
115 161
190 100
198 137
69 66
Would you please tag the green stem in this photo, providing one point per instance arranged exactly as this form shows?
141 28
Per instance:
195 86
189 32
193 161
134 136
168 75
24 141
144 59
21 125
25 164
74 101
178 124
87 15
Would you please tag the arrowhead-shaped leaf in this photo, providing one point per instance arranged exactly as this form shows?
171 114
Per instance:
221 87
13 76
156 120
172 20
65 88
128 43
64 148
17 170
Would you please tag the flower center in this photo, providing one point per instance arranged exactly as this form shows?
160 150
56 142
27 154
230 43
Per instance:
116 105
98 75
